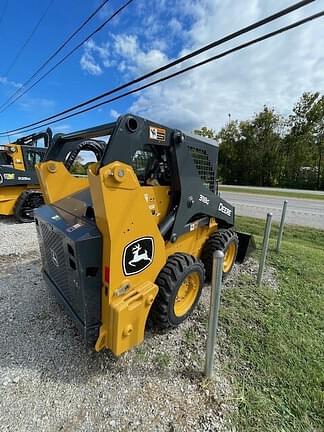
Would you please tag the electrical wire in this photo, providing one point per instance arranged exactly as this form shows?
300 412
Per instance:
57 51
175 74
4 10
195 53
21 50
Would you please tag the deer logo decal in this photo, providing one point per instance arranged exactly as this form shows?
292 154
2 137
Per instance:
138 255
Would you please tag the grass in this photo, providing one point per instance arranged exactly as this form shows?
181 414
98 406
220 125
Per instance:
162 360
288 194
274 337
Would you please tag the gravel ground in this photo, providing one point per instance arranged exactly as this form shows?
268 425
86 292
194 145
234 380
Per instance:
50 381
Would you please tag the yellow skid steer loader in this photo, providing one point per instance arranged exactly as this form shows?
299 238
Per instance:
134 239
19 189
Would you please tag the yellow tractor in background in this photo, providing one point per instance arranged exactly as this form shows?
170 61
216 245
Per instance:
19 189
133 240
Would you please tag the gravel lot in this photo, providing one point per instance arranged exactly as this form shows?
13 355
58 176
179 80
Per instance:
50 381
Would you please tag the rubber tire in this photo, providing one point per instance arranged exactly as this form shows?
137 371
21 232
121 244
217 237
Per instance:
97 147
219 240
177 268
20 203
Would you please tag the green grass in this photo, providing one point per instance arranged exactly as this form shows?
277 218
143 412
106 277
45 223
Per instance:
274 337
290 194
162 360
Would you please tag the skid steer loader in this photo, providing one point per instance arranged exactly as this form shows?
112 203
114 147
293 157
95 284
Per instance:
133 241
19 188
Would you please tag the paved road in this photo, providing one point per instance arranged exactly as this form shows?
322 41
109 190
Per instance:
271 189
299 212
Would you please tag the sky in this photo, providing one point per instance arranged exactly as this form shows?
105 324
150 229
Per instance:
146 35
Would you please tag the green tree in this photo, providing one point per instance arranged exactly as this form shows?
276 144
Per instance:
269 150
304 143
249 150
204 131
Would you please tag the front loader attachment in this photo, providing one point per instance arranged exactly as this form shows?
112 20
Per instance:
246 246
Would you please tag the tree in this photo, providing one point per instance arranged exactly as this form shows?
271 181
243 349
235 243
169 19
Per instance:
269 150
249 150
304 143
204 131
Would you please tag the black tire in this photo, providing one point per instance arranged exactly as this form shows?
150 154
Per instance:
26 204
97 147
219 240
178 267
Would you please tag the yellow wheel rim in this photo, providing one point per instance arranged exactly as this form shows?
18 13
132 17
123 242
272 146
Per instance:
229 257
187 294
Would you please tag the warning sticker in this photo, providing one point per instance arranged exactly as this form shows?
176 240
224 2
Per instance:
157 133
74 227
9 176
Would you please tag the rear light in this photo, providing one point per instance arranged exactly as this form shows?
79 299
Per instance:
107 274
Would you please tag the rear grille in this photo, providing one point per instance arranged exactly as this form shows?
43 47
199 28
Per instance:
71 261
55 261
53 255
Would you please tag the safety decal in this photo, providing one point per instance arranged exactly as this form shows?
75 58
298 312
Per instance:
157 133
138 255
9 176
74 227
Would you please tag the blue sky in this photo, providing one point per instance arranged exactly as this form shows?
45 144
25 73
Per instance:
146 35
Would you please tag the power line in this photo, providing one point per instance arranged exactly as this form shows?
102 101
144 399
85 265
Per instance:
57 51
67 55
29 38
4 10
195 53
175 74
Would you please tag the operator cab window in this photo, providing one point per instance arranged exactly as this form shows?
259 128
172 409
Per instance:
5 159
40 143
33 157
151 167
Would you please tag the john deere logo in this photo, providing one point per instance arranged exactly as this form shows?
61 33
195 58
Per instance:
54 257
138 255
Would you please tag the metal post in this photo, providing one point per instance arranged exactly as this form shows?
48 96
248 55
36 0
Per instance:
215 295
282 224
265 245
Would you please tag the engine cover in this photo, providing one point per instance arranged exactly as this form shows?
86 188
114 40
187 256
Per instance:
71 251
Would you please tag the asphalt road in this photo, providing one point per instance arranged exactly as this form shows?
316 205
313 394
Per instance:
303 191
303 212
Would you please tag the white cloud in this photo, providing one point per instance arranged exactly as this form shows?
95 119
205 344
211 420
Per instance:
102 50
134 58
6 82
175 25
126 46
89 64
126 55
114 114
275 72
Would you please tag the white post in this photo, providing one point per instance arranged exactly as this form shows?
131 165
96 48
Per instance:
282 224
265 245
215 295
